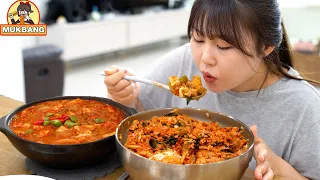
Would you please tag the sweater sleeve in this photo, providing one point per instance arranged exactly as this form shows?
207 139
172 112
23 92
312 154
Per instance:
305 154
153 97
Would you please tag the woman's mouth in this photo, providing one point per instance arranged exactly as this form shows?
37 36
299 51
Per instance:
208 77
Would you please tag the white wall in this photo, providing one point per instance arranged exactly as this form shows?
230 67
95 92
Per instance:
298 3
11 63
302 23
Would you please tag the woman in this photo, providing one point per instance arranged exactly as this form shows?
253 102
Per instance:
240 49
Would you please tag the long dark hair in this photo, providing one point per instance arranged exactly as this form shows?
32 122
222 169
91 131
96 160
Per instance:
259 19
24 7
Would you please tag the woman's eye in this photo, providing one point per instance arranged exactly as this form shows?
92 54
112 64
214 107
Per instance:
198 41
224 48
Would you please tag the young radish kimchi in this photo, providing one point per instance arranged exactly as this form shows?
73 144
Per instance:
71 121
179 139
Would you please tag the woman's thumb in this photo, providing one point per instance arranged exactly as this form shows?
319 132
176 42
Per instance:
254 130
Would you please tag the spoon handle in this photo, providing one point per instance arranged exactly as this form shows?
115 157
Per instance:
124 176
145 81
134 78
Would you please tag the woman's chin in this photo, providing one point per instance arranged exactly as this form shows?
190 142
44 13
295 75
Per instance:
214 88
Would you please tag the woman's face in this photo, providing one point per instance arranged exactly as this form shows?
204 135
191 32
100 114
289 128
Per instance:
224 67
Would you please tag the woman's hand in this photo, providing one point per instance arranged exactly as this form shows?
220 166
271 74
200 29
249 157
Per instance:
264 158
120 90
268 164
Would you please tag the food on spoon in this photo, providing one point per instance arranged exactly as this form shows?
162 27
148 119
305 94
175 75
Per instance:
180 139
71 121
185 88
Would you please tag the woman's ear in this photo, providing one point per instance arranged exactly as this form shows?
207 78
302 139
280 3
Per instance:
267 50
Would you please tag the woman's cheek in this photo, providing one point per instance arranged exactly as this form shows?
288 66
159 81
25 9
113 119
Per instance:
196 56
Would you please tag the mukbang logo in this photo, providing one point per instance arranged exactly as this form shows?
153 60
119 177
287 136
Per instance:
23 19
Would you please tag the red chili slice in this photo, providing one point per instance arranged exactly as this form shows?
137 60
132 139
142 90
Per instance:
177 92
65 117
38 122
62 120
62 117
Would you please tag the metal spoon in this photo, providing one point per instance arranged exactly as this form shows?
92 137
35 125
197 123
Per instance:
124 176
146 81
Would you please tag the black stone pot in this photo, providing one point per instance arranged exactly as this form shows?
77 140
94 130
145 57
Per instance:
64 156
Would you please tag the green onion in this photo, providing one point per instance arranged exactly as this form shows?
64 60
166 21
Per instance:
49 114
99 120
46 118
46 123
29 131
183 79
56 123
73 118
188 100
69 124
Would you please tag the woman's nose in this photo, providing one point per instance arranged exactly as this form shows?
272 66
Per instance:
208 56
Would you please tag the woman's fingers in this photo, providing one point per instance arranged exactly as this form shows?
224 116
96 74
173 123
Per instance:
269 175
254 130
130 72
119 89
127 99
123 92
119 86
113 79
111 70
261 170
260 149
262 155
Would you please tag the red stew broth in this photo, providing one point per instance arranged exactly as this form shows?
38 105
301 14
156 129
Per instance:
71 121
